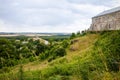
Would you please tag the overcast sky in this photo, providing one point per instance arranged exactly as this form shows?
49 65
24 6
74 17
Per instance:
50 15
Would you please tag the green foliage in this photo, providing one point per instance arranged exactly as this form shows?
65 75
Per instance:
96 63
60 52
43 56
56 37
65 43
78 33
5 70
109 45
56 70
31 59
73 35
21 73
56 52
13 50
83 33
41 48
62 60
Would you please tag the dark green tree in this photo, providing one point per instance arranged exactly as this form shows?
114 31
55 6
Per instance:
41 47
73 35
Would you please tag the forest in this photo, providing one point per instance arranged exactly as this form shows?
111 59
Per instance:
21 49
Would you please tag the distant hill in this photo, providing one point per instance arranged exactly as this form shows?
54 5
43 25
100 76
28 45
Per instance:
30 34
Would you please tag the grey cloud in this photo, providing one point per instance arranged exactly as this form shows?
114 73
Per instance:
34 13
94 2
52 13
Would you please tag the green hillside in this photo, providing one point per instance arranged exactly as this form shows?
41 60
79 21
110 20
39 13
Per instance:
92 56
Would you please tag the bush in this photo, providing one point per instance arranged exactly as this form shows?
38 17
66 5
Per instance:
41 48
42 56
65 43
5 70
73 35
55 52
60 52
109 44
51 58
31 59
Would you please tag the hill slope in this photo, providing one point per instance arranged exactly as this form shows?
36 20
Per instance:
93 56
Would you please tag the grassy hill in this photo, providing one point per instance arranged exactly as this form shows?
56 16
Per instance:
94 56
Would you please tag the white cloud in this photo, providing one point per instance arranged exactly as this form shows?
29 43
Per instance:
89 9
50 15
116 3
6 27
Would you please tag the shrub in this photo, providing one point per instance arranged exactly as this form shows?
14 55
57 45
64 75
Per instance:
31 59
42 56
5 70
65 43
109 45
51 58
73 35
41 48
60 52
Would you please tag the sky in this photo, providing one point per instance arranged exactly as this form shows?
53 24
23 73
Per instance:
50 15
